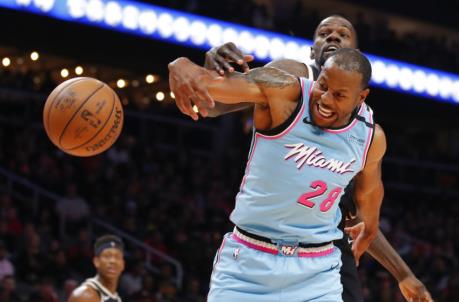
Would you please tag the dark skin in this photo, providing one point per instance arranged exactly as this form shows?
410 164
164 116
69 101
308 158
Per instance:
109 265
332 31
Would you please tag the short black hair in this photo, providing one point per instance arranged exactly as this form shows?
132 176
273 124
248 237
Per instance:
108 241
350 59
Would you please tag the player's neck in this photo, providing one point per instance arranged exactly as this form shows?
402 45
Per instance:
109 284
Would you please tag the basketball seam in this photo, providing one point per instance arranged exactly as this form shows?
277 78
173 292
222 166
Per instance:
102 128
55 98
117 134
76 112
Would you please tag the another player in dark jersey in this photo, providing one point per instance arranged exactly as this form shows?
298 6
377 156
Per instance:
332 33
109 263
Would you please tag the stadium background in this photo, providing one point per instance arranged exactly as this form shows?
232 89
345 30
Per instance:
168 185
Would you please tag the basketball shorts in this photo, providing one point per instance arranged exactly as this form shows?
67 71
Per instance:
246 270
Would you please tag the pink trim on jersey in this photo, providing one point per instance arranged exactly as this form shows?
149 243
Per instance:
276 252
348 127
367 147
247 167
317 254
295 121
254 246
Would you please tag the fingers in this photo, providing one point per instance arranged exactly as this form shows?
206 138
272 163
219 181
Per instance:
187 102
230 53
221 61
245 66
214 65
201 104
235 55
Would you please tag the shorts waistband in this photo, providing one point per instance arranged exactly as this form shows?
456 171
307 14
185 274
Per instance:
284 248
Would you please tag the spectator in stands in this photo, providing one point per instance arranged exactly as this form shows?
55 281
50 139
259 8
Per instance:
8 291
72 209
6 267
67 289
131 281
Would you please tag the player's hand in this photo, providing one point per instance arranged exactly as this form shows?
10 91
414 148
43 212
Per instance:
219 58
413 290
361 239
185 81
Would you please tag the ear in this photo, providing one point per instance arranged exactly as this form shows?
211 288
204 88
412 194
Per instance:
363 95
312 55
96 262
123 265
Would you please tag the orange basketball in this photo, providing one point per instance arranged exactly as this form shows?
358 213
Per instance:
83 116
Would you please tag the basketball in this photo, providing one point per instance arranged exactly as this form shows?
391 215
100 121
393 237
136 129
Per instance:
83 116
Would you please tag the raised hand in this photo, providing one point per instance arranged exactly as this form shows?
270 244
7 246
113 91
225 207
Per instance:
219 58
186 82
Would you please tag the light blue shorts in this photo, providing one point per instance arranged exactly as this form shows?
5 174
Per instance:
244 273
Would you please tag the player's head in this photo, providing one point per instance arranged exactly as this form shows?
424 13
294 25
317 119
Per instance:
341 87
109 256
332 33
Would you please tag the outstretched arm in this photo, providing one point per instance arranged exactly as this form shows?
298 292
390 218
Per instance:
412 289
293 67
260 85
381 250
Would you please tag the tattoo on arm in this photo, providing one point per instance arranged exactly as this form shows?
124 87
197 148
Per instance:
267 77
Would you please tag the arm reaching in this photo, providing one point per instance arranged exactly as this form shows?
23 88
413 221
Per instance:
263 85
183 75
381 250
293 67
369 192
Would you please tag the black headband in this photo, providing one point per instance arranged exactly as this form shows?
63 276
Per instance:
108 245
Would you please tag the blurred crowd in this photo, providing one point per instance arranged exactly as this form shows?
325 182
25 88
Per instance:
375 36
177 203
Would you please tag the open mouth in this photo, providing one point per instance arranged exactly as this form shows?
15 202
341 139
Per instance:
331 49
325 113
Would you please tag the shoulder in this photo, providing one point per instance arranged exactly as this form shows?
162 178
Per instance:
378 145
84 293
293 67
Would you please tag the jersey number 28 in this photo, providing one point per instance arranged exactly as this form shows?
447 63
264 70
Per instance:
319 188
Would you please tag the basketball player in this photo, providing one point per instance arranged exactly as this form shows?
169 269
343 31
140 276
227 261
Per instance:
332 32
315 138
109 263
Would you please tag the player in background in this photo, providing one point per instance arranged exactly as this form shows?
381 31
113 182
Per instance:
109 263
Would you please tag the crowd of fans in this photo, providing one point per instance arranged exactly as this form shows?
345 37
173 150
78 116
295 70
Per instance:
179 203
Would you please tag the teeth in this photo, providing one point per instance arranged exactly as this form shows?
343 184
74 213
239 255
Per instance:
332 48
323 111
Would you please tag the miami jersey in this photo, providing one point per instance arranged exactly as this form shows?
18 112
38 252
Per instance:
295 179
